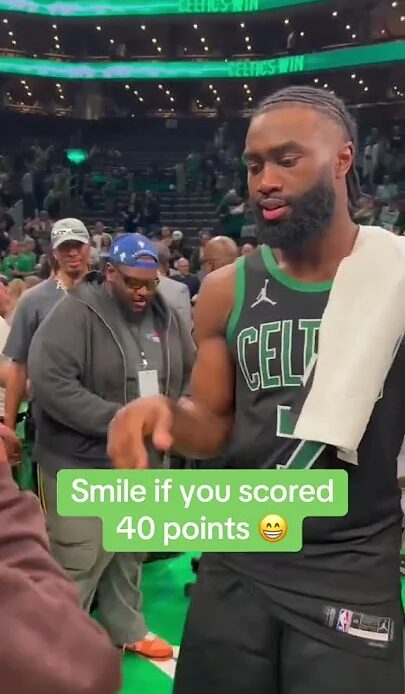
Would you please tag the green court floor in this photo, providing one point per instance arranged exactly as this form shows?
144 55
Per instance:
165 608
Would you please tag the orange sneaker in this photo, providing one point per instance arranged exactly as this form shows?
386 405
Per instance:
151 647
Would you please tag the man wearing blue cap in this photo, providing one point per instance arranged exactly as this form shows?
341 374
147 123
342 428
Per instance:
111 340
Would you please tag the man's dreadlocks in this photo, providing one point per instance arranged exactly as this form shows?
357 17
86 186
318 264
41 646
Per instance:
331 106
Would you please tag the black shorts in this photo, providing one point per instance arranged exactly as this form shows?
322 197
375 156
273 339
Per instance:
235 643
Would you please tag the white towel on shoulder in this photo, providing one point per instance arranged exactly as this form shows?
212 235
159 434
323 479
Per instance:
361 328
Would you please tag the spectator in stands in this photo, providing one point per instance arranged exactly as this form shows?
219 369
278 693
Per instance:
248 233
176 295
49 644
28 249
389 215
177 249
17 263
365 212
4 241
43 224
5 182
6 220
193 171
387 190
180 172
76 398
97 233
53 202
27 188
379 161
218 252
166 236
184 276
133 214
220 136
47 266
208 173
231 214
151 212
94 255
40 229
106 241
197 254
367 166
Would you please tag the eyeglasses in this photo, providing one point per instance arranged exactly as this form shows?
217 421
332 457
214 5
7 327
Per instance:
135 284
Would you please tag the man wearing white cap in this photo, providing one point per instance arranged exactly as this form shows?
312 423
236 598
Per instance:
70 242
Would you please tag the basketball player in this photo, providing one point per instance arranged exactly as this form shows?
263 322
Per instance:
328 619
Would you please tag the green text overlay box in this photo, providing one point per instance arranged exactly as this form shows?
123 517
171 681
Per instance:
209 510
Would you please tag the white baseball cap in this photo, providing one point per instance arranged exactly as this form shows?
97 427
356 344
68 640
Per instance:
69 229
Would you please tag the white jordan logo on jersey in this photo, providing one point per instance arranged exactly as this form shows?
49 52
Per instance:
262 297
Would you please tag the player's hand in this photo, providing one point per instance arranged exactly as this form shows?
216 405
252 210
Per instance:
135 422
11 448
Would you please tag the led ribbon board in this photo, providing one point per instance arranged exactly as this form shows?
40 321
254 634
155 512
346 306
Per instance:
117 8
393 51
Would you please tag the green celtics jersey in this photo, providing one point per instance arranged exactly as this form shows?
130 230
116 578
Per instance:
273 335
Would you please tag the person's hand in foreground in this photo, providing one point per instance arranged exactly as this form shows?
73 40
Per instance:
143 418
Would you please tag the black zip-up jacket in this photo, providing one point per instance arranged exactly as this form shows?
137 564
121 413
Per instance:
78 372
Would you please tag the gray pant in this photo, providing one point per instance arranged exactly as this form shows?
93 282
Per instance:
76 543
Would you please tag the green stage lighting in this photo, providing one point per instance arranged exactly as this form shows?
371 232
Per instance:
77 156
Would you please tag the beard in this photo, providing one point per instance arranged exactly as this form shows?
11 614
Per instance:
308 219
125 303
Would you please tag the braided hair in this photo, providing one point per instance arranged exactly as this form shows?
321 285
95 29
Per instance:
331 106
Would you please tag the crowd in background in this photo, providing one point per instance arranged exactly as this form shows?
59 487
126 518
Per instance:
50 188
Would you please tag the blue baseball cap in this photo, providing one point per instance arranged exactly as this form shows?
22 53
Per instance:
129 248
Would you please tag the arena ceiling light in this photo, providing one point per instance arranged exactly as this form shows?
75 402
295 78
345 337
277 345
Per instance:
108 8
390 52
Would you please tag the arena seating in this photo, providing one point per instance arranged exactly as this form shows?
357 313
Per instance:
185 212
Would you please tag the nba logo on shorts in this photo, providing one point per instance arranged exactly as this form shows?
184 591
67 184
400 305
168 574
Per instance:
344 620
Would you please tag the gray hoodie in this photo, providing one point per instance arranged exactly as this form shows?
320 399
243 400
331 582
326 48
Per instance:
79 373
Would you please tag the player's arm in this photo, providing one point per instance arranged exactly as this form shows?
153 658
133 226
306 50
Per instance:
198 426
202 424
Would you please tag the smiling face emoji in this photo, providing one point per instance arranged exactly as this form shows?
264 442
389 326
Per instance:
273 528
